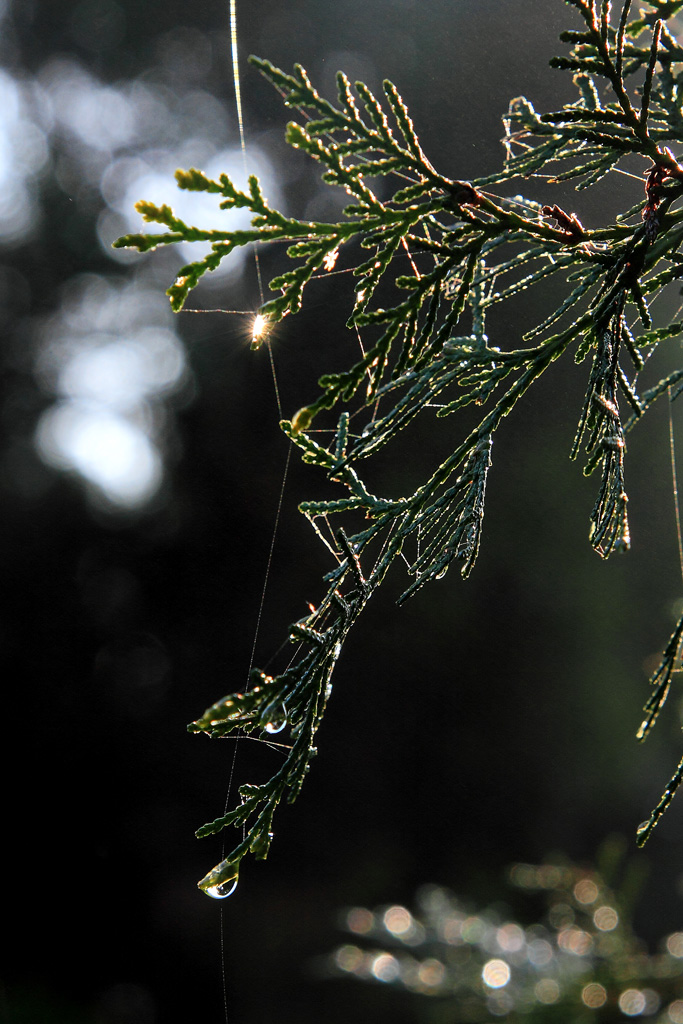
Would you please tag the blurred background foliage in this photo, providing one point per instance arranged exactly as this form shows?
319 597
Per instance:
140 465
579 961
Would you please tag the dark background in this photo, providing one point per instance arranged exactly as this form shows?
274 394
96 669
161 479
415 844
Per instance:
483 723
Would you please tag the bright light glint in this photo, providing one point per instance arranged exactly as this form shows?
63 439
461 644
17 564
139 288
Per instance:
632 1002
258 328
385 967
496 973
575 940
330 259
594 995
606 919
586 891
398 920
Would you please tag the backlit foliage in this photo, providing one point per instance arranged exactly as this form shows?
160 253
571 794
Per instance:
441 252
580 961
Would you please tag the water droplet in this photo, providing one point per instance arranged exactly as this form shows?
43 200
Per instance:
223 889
273 718
642 827
277 725
258 331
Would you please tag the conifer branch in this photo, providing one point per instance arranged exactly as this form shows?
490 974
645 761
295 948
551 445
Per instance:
441 252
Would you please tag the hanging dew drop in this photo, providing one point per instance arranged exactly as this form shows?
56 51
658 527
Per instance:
274 718
222 890
276 726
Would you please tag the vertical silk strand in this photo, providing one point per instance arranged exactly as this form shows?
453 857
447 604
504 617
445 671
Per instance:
240 123
240 119
674 477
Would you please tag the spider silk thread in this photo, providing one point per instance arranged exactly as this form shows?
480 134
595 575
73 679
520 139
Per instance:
674 477
234 51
